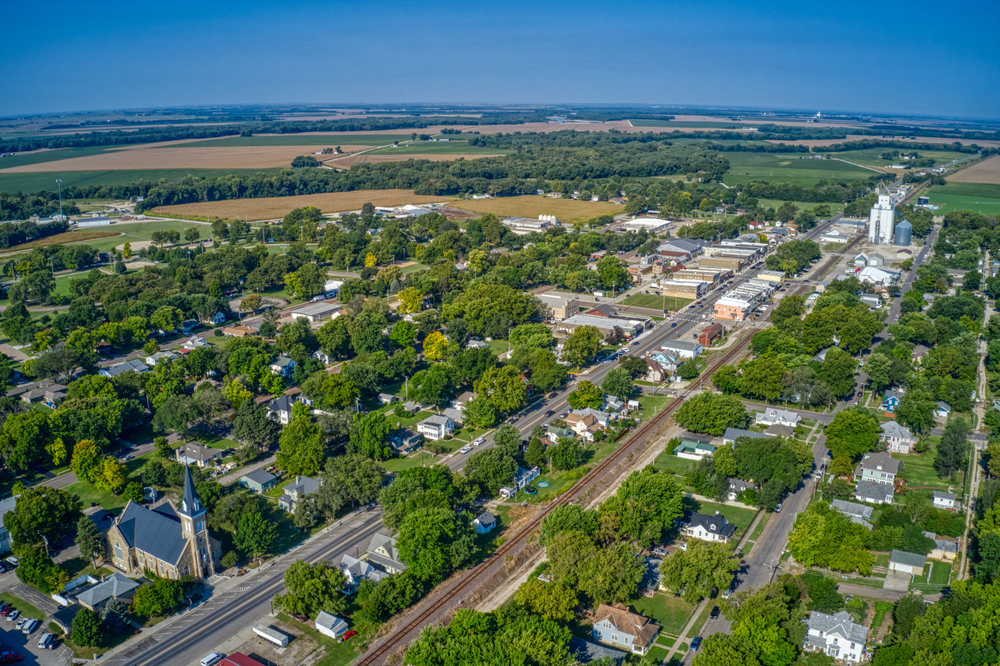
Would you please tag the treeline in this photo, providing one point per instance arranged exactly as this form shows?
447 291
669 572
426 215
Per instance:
114 138
22 206
15 234
889 143
824 191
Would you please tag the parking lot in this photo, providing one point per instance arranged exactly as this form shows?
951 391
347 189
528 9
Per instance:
27 646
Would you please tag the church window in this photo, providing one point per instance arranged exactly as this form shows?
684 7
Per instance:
118 551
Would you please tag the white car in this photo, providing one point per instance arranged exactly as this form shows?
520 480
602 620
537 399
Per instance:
213 658
465 449
30 626
478 441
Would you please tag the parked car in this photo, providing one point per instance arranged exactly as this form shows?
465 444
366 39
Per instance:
478 441
212 658
10 657
777 509
30 626
348 634
465 449
695 643
14 614
47 641
20 623
13 560
715 613
728 593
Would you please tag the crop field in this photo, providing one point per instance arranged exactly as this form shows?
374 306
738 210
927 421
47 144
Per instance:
303 139
567 210
275 207
870 156
670 124
980 197
60 239
40 156
985 171
39 182
788 168
454 147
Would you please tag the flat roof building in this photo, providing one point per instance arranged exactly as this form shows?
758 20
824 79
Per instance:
316 312
606 325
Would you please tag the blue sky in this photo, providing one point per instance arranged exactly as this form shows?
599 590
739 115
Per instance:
920 58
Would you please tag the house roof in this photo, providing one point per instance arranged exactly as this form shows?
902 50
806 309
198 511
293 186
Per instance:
739 485
880 461
331 622
779 430
260 476
714 329
628 622
282 403
783 414
873 490
852 508
438 420
942 405
909 559
920 351
452 413
115 585
717 521
894 429
734 433
303 485
386 396
359 569
465 397
839 623
153 531
134 365
945 496
486 518
196 451
683 345
283 361
890 394
5 506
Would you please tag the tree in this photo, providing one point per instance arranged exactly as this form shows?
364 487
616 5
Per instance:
300 448
582 345
613 273
434 541
251 302
111 476
252 425
89 539
41 511
635 366
479 413
586 395
853 432
254 534
568 518
646 503
567 454
368 435
618 382
86 460
712 413
612 575
492 469
696 572
953 448
403 334
435 346
133 492
823 595
790 307
157 599
824 537
87 628
311 589
115 615
837 371
24 438
534 456
410 300
191 234
167 319
763 378
550 601
534 336
503 387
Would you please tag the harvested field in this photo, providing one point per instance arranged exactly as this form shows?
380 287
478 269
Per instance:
61 239
370 158
149 156
275 207
567 210
984 171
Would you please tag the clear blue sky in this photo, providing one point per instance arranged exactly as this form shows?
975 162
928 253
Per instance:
927 58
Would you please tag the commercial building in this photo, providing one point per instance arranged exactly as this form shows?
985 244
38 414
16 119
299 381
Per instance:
710 275
683 288
728 263
881 220
93 222
605 325
691 246
557 307
683 348
522 226
650 224
771 276
316 312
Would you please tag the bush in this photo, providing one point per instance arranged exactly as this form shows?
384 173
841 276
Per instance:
218 333
230 559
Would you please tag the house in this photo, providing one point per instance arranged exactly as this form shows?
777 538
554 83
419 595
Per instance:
732 434
160 357
463 400
708 528
943 410
115 586
411 407
259 481
778 430
5 541
871 300
579 423
738 486
404 441
356 570
891 401
693 450
710 334
835 635
296 490
944 500
584 652
522 477
911 563
238 331
555 432
188 325
280 409
602 418
612 404
387 398
898 437
618 625
283 366
322 357
655 372
169 542
47 395
945 548
128 366
215 320
773 415
315 313
918 354
476 344
879 467
874 492
382 553
196 342
484 522
454 414
330 625
858 513
436 427
683 348
194 453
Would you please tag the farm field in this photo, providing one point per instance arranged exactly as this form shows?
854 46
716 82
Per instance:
984 171
870 156
567 210
40 182
453 147
680 124
40 156
788 168
980 197
302 139
60 239
111 237
274 207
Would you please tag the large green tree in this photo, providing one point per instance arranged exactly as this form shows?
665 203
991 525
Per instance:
853 431
433 542
310 589
700 570
712 413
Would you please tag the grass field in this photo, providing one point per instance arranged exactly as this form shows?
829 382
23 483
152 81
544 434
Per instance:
670 612
567 210
785 168
654 302
918 470
734 514
452 147
870 156
61 239
41 156
42 182
980 197
801 205
274 207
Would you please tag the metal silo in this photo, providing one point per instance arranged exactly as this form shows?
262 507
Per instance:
904 233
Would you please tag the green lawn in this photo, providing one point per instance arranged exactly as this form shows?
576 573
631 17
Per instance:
337 654
918 470
882 608
39 157
79 566
882 560
700 622
656 655
413 460
89 493
213 441
800 205
680 466
651 404
20 604
980 197
788 168
667 124
559 482
654 302
870 156
935 576
734 514
670 612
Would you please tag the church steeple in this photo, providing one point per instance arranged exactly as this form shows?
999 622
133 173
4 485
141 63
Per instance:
191 504
194 527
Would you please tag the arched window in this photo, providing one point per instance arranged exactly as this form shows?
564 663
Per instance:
118 552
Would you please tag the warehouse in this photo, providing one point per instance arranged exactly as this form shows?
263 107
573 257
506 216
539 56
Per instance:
93 222
605 325
316 312
683 288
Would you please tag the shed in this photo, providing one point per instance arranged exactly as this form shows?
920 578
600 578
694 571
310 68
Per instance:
911 563
330 625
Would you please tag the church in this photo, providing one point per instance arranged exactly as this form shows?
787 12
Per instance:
169 542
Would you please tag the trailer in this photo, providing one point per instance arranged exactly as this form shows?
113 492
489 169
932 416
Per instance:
271 635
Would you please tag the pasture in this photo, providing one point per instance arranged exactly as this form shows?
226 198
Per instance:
984 171
979 197
567 210
40 156
788 168
275 207
42 182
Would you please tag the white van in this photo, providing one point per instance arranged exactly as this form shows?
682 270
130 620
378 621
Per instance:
47 641
212 658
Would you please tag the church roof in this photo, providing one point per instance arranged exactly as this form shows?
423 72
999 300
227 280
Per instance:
156 532
191 504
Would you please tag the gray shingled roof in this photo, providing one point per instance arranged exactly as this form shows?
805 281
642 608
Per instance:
838 623
893 429
115 585
733 433
881 461
156 532
585 652
941 495
852 508
718 521
260 476
873 490
909 559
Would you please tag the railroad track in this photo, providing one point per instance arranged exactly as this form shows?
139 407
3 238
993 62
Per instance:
401 635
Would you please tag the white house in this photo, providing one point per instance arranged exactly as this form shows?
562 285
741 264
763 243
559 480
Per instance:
436 427
683 348
160 357
775 416
897 437
216 319
196 343
835 635
128 366
522 477
737 486
330 625
693 450
943 410
618 625
708 528
944 500
732 434
485 522
283 366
